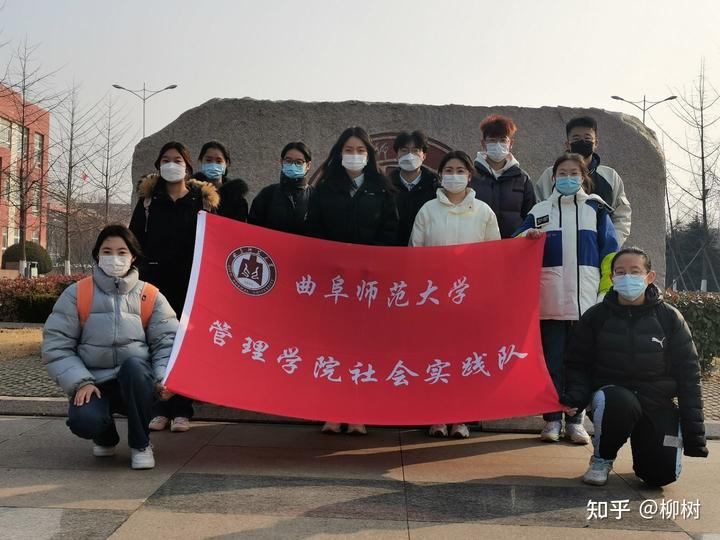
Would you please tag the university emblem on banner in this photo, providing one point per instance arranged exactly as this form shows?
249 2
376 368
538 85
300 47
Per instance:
251 270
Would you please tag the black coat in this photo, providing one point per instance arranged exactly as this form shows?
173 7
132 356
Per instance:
409 202
233 203
167 236
282 207
511 196
647 349
369 217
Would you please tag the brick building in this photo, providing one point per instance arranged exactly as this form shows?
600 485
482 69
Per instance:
24 128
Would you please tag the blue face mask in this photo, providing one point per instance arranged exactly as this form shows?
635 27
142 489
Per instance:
629 286
291 170
568 185
213 170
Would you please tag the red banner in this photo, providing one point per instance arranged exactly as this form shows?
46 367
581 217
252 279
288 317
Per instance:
301 327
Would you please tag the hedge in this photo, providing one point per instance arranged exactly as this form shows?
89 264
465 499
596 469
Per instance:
31 300
33 252
702 313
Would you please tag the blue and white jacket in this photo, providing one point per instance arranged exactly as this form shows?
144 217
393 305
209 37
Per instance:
580 244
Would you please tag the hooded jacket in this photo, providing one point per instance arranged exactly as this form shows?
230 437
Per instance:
510 195
76 356
410 201
166 231
608 185
579 247
442 223
647 349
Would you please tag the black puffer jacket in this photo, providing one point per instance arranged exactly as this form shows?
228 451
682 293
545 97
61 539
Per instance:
233 203
369 217
166 231
409 202
647 349
511 196
282 207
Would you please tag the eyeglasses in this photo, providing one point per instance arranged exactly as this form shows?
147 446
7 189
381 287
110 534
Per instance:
288 161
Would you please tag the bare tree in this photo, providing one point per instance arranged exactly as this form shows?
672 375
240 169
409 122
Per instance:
698 110
111 165
74 136
28 88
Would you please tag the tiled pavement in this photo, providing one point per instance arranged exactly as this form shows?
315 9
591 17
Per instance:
289 481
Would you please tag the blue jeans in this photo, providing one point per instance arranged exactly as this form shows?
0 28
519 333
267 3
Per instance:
131 394
555 337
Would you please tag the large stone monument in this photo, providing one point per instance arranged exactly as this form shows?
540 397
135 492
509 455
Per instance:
255 131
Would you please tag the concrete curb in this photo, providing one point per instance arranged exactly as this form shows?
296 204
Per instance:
44 406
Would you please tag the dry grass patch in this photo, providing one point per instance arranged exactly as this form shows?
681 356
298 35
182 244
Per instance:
20 343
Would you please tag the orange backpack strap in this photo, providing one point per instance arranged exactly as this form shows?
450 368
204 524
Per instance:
85 289
147 302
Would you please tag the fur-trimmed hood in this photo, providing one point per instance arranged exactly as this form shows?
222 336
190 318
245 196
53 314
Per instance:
210 196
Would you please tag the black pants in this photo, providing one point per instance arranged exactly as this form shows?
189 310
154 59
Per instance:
655 436
131 394
555 337
174 407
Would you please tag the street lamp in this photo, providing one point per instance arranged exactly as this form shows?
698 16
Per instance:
645 106
146 94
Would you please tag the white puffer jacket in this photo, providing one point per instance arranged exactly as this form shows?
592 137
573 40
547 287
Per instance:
442 223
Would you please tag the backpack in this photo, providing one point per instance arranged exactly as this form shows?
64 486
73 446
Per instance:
86 289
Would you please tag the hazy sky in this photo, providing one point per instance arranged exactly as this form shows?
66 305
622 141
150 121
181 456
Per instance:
523 52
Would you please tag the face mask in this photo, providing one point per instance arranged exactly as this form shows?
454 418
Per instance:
114 265
582 147
410 162
568 185
213 170
172 172
497 151
291 170
454 183
629 286
354 162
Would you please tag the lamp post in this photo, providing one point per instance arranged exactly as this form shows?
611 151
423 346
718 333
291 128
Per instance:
646 105
146 94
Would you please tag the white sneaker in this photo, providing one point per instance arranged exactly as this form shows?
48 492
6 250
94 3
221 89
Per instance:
576 433
179 424
459 431
143 459
597 474
551 431
438 430
103 451
356 429
159 423
331 428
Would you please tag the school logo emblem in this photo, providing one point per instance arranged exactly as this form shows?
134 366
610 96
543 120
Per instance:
251 270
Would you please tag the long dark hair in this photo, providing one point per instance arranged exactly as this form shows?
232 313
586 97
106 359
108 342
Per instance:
184 152
332 171
121 231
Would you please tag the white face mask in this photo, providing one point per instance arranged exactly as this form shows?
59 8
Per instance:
172 172
114 265
410 162
354 162
454 183
497 151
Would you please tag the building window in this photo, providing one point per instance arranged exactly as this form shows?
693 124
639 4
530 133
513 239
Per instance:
5 238
36 236
26 142
39 147
38 198
5 132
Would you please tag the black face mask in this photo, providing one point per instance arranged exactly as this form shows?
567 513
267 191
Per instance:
582 147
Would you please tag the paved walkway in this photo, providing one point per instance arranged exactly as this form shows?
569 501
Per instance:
289 481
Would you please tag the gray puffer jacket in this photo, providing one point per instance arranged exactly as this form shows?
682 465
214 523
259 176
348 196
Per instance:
113 332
